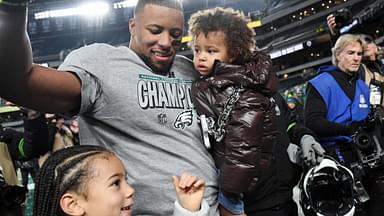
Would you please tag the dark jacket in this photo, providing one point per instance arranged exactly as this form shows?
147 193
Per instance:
276 190
245 152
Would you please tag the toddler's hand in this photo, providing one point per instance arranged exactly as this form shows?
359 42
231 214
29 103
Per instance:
189 191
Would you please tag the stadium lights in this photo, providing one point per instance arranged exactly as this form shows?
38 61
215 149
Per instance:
124 4
286 51
87 9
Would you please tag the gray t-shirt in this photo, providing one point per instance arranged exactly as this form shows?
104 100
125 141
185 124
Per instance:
147 119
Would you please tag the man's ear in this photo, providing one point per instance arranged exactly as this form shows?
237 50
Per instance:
132 25
72 204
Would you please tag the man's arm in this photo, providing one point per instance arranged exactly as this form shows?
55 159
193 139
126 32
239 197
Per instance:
24 83
315 117
333 29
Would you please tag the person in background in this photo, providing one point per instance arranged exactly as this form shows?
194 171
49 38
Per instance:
132 100
59 135
92 181
74 127
234 93
296 109
18 147
27 168
296 148
337 106
372 67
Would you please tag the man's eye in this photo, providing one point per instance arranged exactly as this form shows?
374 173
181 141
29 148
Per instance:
155 31
176 33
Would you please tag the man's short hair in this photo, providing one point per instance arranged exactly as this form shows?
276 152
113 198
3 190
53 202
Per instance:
175 4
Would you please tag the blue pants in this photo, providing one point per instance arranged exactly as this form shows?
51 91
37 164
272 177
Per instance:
234 205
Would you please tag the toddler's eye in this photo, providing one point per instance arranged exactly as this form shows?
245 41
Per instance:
211 51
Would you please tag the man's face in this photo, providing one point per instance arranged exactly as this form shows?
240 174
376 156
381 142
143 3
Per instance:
370 51
156 33
350 58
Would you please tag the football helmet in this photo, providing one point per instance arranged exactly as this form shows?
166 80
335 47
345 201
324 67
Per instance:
327 189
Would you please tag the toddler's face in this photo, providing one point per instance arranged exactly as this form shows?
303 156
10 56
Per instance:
207 49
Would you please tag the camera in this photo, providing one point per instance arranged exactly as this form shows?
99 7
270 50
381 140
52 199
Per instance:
368 142
342 17
345 22
369 151
368 137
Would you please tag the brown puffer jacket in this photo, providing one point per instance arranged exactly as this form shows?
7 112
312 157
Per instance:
245 152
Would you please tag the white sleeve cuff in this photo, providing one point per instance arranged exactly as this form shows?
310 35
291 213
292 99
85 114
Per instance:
180 211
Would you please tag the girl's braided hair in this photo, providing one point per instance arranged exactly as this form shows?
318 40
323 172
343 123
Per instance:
65 170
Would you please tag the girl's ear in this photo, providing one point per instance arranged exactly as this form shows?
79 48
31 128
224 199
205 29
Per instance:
72 204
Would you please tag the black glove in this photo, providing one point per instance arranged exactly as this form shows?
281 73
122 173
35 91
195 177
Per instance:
353 128
6 134
12 196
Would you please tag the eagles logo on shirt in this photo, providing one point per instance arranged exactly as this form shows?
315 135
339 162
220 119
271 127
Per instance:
183 119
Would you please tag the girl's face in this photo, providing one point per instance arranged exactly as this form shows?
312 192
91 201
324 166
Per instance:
370 51
108 193
207 49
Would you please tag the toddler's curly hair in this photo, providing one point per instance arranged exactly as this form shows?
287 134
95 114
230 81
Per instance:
240 39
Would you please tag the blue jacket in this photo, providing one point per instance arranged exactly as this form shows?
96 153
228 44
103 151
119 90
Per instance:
340 108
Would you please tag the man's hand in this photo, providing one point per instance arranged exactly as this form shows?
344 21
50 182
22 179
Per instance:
331 22
312 151
189 191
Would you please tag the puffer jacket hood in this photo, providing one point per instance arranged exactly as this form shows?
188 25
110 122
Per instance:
256 74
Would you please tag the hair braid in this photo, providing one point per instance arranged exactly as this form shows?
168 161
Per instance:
62 171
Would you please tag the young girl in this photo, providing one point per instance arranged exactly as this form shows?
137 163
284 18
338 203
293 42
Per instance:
234 94
91 181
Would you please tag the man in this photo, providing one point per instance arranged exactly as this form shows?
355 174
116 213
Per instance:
342 80
337 105
371 67
134 101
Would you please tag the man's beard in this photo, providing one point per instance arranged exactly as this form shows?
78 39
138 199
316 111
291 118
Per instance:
163 71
